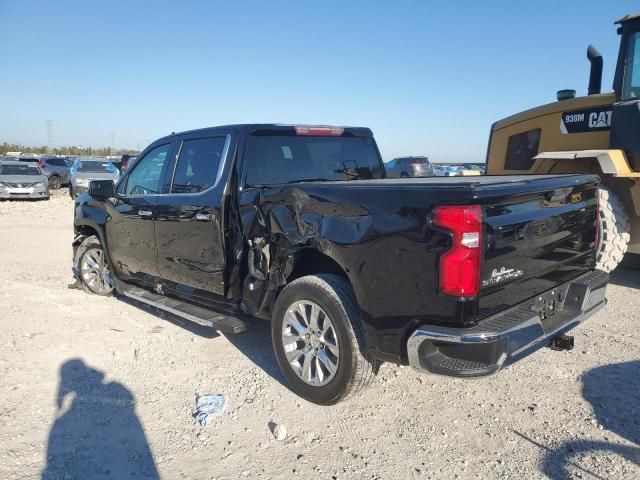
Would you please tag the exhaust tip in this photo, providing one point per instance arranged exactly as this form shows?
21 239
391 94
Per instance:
595 76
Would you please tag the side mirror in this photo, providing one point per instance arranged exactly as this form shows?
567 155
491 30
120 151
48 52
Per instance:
102 189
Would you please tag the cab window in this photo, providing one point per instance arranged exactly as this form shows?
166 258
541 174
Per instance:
521 150
631 88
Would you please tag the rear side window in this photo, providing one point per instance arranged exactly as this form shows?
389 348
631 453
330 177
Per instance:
198 164
272 160
521 150
57 162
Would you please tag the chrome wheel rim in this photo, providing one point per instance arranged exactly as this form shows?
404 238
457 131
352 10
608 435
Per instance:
95 271
310 343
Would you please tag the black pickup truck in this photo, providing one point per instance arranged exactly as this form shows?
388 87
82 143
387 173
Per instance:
299 225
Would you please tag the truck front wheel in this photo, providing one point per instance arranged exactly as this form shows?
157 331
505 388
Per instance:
318 339
613 231
94 270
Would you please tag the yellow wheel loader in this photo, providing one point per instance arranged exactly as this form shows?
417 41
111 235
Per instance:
598 133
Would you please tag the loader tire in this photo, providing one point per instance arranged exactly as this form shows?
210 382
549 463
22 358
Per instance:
613 233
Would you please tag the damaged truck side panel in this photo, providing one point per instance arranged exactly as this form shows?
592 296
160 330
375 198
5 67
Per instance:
382 241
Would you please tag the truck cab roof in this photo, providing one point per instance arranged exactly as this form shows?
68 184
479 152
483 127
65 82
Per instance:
277 128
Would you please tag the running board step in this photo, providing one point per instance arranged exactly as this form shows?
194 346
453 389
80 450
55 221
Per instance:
193 313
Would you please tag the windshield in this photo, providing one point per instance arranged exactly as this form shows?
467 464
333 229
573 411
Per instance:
631 88
278 159
19 170
94 166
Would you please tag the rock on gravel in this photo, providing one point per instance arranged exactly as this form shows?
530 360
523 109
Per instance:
279 431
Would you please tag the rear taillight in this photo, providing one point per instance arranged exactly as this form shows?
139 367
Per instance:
460 265
320 131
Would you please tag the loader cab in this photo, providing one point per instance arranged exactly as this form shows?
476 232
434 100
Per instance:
596 121
625 121
627 79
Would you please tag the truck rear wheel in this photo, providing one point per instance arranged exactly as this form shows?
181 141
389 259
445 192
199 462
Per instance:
318 340
613 231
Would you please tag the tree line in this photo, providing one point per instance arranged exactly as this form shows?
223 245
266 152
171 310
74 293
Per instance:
73 151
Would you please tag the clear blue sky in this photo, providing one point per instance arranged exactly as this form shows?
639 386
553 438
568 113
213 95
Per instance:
428 77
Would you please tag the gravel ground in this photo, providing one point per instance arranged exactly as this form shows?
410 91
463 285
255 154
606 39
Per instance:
96 387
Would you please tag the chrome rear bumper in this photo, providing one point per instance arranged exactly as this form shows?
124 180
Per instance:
509 335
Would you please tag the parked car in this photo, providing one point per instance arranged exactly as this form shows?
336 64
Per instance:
409 167
22 180
447 171
56 171
298 224
86 169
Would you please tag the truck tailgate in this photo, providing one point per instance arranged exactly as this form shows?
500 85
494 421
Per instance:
536 239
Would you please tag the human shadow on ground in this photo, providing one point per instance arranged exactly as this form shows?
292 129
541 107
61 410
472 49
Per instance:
96 433
613 392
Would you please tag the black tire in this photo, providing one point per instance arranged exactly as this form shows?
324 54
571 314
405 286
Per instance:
614 231
355 370
89 245
71 191
404 175
55 182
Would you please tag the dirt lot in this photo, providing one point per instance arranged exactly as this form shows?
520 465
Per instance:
98 388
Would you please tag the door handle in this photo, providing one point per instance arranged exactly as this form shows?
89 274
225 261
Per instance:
145 213
205 217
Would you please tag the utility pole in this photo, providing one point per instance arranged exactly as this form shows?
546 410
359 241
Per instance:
113 141
49 136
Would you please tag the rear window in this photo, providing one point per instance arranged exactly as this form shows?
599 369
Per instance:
19 170
521 150
281 159
94 166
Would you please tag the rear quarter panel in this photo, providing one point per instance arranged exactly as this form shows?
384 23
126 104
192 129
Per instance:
380 237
